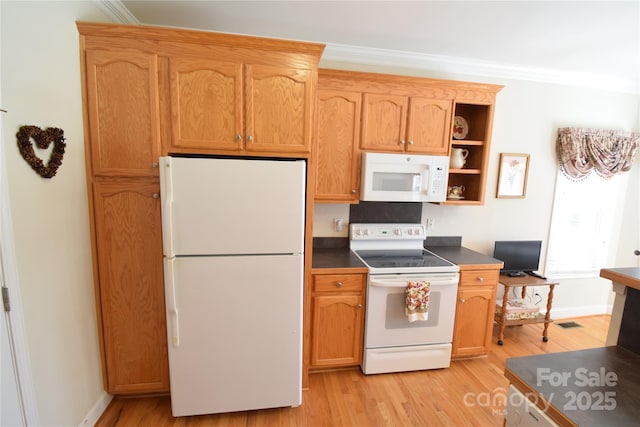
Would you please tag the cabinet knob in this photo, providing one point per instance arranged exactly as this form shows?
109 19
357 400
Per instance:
238 137
339 284
154 165
249 138
462 300
353 191
411 142
359 306
402 142
156 196
480 279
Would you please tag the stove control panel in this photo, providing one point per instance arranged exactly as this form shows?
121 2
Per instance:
387 232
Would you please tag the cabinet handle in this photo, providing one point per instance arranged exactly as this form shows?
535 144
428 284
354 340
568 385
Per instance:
411 142
156 196
402 142
353 191
462 300
359 306
238 137
339 284
480 279
154 165
249 138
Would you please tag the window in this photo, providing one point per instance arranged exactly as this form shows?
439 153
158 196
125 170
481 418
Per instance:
581 226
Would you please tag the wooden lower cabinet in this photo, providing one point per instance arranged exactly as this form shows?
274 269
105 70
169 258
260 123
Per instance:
130 285
475 312
338 320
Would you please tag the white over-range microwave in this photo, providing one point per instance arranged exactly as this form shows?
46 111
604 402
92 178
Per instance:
404 178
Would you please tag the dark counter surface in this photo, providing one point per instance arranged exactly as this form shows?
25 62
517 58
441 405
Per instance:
336 258
626 276
462 256
329 252
594 387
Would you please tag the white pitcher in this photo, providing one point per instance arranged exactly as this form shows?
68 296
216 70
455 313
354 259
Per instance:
458 158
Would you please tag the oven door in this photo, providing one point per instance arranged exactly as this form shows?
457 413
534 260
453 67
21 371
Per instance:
386 321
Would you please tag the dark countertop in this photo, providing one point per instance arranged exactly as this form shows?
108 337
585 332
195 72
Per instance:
583 398
335 253
626 276
462 256
336 258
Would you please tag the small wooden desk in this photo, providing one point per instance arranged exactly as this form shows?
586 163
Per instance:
509 282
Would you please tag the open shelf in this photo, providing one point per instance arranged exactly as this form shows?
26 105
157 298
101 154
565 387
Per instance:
465 171
515 322
472 174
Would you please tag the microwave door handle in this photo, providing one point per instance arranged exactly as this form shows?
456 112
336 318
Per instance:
425 181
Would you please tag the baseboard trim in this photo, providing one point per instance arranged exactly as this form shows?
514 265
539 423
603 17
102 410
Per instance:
566 313
97 410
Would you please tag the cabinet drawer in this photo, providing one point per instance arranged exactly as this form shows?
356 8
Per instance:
338 282
479 277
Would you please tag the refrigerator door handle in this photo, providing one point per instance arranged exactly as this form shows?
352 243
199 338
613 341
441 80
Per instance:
166 192
172 307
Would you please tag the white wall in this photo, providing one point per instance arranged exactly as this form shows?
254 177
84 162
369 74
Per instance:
41 87
527 117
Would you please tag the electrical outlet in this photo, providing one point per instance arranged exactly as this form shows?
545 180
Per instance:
429 224
338 224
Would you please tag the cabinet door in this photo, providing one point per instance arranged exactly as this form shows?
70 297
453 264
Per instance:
337 330
474 320
206 104
123 112
429 126
383 122
131 289
279 109
338 167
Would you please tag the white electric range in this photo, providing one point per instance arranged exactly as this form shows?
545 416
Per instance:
394 255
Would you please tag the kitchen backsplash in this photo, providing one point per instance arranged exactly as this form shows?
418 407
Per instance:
385 212
364 212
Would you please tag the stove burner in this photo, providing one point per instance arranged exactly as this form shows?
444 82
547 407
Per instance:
401 258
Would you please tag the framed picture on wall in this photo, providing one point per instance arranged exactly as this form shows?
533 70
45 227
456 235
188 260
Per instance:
512 176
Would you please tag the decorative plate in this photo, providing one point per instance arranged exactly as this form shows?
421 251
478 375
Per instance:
460 127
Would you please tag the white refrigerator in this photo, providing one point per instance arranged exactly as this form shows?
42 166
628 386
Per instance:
233 241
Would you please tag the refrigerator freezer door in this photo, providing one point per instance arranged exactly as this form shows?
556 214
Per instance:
239 343
232 206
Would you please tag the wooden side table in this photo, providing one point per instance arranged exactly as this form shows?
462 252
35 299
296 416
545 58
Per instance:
509 282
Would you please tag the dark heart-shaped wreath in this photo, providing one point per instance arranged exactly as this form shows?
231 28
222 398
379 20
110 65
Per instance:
42 139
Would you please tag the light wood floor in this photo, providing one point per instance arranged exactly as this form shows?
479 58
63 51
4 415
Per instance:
466 394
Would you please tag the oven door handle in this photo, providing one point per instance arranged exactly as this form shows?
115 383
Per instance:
395 283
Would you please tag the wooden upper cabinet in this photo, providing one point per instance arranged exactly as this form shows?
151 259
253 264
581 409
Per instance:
131 292
338 135
123 112
406 124
429 125
221 106
384 120
279 108
206 104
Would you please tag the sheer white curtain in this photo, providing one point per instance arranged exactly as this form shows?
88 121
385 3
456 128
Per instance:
584 204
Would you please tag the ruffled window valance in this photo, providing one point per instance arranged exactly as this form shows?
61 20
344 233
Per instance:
607 152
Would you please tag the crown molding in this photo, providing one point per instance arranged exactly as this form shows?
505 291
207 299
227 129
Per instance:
117 11
439 63
455 65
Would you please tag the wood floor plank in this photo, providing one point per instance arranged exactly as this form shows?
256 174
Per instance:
470 392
